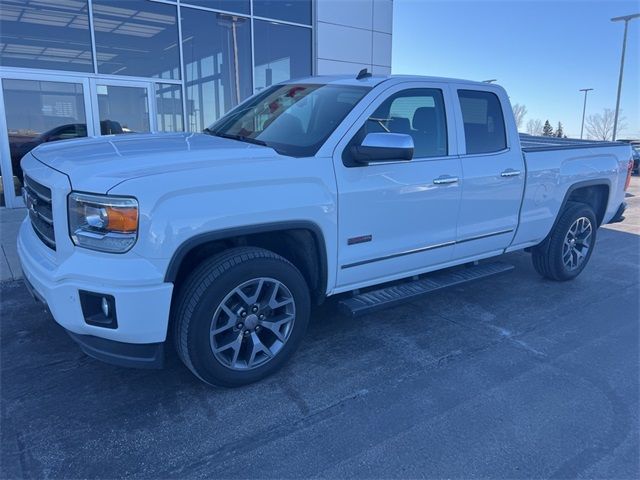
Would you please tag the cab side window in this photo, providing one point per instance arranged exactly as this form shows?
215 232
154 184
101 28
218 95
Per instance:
418 112
484 129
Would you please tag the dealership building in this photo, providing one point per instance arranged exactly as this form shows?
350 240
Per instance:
74 68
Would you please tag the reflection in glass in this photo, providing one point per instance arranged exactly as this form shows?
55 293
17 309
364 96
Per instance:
136 38
235 6
48 34
217 64
281 52
122 109
298 11
294 119
169 107
39 112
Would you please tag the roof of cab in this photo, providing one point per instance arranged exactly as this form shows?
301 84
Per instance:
374 80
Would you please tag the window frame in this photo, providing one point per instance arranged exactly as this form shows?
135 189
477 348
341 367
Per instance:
450 116
462 141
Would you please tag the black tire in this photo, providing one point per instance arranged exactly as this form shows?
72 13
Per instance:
548 258
202 295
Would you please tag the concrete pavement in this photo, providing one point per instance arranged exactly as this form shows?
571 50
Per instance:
10 220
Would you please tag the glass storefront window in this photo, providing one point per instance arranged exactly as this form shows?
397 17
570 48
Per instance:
217 64
137 38
39 112
235 6
169 107
122 109
281 52
45 34
298 11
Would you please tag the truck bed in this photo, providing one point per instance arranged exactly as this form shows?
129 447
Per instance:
531 143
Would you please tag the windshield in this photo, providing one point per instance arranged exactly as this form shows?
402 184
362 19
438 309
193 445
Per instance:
293 119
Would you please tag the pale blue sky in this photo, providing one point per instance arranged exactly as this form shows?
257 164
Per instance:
542 52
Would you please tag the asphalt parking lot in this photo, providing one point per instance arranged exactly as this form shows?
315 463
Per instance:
512 377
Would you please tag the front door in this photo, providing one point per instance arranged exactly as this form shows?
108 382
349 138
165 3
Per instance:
121 107
399 218
493 173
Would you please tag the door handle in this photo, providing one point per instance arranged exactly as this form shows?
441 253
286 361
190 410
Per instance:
444 180
510 172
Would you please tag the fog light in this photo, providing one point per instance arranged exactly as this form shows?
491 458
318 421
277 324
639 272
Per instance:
98 309
105 307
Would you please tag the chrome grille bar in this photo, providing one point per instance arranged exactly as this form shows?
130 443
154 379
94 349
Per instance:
37 199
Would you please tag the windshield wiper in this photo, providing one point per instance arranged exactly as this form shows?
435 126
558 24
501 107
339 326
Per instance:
240 138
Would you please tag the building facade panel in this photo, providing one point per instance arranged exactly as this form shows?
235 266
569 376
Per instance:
383 16
354 14
347 44
381 49
336 67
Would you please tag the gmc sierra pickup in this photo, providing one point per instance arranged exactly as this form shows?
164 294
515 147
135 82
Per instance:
221 241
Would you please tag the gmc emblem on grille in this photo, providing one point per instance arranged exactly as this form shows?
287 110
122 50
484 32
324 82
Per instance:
29 201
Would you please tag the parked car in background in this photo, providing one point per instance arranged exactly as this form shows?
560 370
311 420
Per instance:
635 145
310 188
20 145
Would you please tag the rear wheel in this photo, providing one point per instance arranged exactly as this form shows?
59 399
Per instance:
567 250
240 316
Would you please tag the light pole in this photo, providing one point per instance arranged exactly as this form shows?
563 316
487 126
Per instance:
626 19
584 108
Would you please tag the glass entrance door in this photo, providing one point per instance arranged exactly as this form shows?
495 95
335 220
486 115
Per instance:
41 108
121 107
37 110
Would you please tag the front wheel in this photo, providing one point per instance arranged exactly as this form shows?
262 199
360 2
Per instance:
240 316
566 252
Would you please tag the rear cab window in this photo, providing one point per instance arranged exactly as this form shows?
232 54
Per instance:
484 129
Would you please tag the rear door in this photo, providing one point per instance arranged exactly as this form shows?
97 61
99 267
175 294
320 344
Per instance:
493 172
399 217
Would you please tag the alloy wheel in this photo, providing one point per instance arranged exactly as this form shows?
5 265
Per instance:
252 323
577 243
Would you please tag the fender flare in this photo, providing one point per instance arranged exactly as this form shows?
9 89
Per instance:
575 186
206 237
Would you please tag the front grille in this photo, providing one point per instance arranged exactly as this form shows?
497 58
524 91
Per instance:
37 199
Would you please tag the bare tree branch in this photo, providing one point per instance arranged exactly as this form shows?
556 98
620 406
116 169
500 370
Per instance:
519 112
534 127
599 126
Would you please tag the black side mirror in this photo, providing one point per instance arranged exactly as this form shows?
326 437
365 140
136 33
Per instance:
384 147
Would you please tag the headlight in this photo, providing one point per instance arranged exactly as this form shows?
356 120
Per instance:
103 222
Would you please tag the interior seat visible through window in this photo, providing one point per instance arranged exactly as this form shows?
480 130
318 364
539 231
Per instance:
418 112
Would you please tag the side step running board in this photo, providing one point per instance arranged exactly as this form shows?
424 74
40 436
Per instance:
387 297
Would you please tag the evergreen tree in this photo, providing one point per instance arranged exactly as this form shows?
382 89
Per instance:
559 131
547 130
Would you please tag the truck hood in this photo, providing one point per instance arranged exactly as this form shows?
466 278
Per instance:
96 164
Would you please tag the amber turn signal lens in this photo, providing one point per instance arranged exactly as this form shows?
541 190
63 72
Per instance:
122 219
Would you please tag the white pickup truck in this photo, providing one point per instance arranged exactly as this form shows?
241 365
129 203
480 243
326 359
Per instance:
223 240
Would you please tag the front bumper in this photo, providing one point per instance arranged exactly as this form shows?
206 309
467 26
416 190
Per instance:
142 299
136 355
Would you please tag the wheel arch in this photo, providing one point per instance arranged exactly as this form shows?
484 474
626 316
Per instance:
594 193
585 192
301 242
